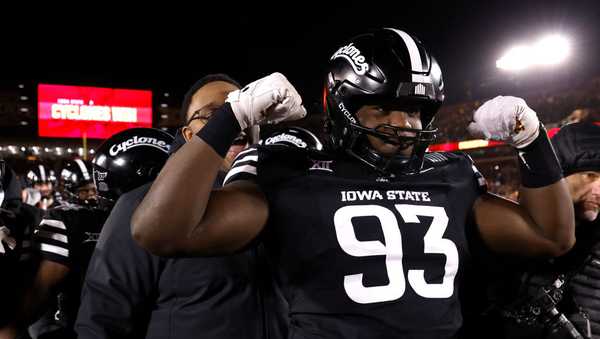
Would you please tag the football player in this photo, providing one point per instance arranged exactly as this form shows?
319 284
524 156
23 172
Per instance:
40 193
65 238
369 240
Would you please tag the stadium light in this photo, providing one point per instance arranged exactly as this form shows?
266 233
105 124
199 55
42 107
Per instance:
549 50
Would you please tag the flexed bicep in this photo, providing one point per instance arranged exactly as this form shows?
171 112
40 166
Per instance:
506 227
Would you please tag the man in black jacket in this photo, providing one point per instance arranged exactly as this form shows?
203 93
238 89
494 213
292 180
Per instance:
559 298
130 293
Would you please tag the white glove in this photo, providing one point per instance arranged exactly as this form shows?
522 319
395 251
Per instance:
269 100
507 119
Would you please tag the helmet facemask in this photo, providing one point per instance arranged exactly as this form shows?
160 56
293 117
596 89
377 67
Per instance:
352 137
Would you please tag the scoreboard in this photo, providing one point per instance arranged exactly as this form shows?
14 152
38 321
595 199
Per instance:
97 113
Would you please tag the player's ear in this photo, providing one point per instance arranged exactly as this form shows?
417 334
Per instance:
187 133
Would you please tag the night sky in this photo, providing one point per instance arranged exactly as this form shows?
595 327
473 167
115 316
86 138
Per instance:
168 46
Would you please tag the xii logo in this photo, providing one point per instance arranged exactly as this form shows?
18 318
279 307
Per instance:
322 165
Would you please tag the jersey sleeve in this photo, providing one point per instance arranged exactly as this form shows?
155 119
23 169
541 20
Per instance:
245 166
53 238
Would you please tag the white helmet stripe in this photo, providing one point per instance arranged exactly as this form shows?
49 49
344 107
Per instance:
84 171
415 56
42 173
413 50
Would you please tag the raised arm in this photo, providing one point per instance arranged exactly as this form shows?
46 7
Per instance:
543 223
182 214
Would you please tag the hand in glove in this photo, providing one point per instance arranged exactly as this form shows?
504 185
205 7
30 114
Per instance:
269 100
506 118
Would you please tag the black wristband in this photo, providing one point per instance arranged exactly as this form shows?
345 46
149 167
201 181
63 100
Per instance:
538 162
220 130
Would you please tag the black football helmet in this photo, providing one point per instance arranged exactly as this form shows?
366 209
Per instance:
386 67
76 174
128 160
40 174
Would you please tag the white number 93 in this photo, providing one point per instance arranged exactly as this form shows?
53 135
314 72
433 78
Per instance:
433 243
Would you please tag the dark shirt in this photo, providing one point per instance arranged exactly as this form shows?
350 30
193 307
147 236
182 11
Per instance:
130 293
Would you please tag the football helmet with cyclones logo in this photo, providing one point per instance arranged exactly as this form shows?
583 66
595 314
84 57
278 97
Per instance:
387 67
129 159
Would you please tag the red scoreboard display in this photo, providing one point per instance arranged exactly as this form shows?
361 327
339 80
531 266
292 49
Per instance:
98 113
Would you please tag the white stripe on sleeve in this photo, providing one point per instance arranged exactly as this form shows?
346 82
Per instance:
247 158
50 235
250 169
54 249
53 223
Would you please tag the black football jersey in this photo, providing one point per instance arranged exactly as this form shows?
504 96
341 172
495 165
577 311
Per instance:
360 254
67 235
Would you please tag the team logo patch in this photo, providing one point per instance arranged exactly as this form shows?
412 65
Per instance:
353 55
420 89
100 176
286 138
321 165
91 237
